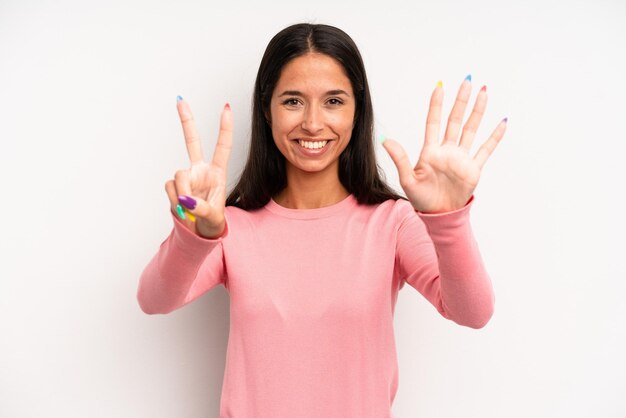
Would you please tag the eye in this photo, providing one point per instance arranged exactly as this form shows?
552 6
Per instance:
291 102
335 101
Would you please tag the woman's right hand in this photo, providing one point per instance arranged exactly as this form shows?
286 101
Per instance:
203 182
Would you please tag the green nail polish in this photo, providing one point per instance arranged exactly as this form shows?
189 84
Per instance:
180 211
381 138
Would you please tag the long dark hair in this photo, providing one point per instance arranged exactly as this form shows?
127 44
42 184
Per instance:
264 174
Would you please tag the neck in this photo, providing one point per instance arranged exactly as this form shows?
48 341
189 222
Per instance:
307 190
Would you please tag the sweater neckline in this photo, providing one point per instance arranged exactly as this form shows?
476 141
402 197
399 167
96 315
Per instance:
323 212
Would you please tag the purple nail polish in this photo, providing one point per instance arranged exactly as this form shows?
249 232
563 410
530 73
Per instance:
188 202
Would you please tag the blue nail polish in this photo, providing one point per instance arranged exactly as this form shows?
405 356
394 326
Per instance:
381 138
179 98
469 77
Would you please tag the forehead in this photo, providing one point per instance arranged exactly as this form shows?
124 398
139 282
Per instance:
313 71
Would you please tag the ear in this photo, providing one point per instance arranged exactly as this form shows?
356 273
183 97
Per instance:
268 119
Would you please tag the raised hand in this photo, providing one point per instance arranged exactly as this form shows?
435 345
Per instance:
204 183
445 175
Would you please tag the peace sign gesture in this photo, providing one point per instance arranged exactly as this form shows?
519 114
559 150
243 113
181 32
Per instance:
202 187
445 176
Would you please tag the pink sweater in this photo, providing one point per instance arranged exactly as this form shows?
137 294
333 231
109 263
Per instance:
312 299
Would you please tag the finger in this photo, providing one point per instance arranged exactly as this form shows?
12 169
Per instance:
196 208
170 188
224 139
470 128
434 116
458 110
490 144
400 159
183 185
192 138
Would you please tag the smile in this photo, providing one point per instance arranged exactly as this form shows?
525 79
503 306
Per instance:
314 149
312 144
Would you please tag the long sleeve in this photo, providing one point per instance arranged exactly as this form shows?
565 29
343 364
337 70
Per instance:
185 266
312 295
438 256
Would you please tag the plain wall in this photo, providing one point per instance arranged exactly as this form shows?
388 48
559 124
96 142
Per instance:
89 134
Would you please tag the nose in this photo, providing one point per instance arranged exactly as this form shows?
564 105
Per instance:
313 119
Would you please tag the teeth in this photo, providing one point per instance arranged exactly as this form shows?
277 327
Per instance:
312 145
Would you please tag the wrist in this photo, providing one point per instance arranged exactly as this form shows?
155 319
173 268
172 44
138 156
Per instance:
210 232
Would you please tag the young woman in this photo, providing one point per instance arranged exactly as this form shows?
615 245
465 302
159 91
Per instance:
311 244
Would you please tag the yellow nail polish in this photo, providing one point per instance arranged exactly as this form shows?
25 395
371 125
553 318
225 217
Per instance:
191 216
439 83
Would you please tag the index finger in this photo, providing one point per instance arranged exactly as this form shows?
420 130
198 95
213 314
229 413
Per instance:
192 139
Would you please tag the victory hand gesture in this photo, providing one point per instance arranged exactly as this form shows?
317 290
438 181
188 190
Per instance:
201 189
445 176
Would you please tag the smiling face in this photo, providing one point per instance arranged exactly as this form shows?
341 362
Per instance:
312 113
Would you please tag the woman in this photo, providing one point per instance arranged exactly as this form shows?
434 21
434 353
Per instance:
311 244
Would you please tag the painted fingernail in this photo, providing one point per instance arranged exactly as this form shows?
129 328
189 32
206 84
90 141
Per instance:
227 106
180 211
381 138
192 218
179 98
439 83
484 89
505 120
469 77
188 202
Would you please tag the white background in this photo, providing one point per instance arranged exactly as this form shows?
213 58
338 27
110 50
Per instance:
89 134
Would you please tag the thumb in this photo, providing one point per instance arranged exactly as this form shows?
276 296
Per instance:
193 205
206 210
399 157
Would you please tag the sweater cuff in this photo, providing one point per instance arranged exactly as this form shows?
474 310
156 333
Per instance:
443 227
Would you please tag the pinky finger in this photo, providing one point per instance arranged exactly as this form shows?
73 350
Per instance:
172 195
490 144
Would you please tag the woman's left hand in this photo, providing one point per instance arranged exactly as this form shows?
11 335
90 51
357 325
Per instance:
445 176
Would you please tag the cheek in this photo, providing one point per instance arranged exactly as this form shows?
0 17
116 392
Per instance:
343 125
283 123
343 121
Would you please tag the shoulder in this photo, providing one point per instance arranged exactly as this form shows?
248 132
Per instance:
399 207
390 212
237 214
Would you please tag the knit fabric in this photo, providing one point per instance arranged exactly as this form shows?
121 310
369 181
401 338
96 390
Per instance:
312 298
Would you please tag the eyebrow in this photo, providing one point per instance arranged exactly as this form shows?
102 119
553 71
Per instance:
297 93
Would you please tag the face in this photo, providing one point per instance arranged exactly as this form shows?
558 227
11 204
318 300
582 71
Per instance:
312 112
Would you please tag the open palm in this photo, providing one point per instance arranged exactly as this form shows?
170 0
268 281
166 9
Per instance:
445 175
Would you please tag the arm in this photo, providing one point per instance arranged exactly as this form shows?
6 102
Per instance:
450 272
185 267
438 256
